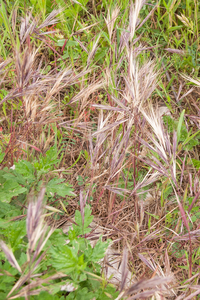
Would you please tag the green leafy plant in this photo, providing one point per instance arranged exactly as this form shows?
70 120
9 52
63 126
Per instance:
80 260
187 139
25 175
57 263
79 78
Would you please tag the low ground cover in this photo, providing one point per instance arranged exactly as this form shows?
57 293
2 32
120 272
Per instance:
99 122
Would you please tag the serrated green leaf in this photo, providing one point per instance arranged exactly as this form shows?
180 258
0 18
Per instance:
196 163
64 258
9 189
23 259
88 218
99 250
84 294
8 210
25 168
56 186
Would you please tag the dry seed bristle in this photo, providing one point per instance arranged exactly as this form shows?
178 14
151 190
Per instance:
10 256
124 122
110 20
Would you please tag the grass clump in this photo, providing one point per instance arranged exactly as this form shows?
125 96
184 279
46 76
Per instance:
100 131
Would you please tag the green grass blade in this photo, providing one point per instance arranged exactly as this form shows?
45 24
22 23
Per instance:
180 122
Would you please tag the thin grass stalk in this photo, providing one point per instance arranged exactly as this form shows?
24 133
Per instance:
183 215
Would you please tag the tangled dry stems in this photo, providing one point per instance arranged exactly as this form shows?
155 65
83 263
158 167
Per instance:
111 152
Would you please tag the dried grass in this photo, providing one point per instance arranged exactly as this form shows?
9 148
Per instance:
129 135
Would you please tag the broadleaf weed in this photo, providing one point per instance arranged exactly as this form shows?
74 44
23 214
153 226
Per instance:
75 260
